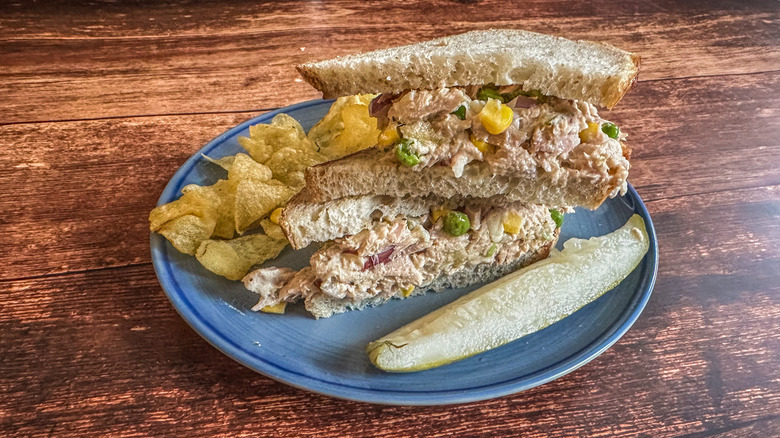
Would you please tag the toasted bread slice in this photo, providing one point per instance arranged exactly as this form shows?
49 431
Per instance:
580 70
304 221
366 172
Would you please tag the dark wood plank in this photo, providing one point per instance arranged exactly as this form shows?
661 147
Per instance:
241 57
83 190
86 354
758 428
72 19
700 135
87 187
91 347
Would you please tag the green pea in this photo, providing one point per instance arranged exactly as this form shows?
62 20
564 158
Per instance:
557 216
405 154
460 112
489 92
610 129
456 223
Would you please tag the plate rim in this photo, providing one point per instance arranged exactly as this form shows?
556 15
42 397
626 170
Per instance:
219 340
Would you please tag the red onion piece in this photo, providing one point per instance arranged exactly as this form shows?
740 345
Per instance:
378 259
380 104
524 102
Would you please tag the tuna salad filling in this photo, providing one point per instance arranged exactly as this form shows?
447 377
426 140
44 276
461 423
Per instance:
400 254
510 129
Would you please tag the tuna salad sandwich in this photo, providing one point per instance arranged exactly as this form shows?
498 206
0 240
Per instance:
484 113
486 138
379 247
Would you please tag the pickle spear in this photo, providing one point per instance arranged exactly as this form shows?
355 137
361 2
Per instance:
517 304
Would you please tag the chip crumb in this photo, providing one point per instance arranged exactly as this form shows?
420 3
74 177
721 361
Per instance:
637 234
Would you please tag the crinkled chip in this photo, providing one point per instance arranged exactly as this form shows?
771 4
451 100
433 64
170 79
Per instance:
245 168
272 229
217 200
288 122
223 211
224 162
288 165
264 140
202 201
165 213
347 128
266 178
258 149
234 258
360 132
255 200
187 232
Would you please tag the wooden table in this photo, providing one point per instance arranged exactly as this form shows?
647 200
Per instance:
101 102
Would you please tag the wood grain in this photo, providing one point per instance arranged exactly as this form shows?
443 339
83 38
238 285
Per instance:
243 61
102 101
700 135
83 190
698 359
67 19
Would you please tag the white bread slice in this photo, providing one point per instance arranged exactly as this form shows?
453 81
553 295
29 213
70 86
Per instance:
323 306
366 173
305 221
580 70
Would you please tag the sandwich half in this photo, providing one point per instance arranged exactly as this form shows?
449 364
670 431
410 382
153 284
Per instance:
379 248
481 114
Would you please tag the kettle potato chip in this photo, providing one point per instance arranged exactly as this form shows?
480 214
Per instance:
187 232
347 128
233 258
257 183
256 200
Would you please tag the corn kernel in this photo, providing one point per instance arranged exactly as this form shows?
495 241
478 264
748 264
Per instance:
406 291
276 215
590 132
437 213
483 146
512 223
276 308
496 117
389 136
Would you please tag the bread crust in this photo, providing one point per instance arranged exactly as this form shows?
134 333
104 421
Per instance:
594 72
304 221
366 173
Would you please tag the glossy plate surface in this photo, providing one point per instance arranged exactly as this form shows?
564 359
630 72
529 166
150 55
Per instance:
327 356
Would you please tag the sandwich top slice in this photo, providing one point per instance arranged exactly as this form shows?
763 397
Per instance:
405 248
499 112
592 72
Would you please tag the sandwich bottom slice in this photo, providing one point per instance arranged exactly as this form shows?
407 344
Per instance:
400 255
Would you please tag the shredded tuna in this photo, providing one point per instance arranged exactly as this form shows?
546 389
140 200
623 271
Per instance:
543 136
267 283
404 252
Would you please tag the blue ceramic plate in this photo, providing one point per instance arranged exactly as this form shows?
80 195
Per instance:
327 356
